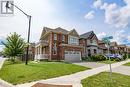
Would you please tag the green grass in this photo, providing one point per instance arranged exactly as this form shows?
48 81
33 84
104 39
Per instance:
127 64
20 73
107 61
103 80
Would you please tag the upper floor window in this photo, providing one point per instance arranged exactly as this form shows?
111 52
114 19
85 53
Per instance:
63 37
55 36
54 49
73 40
94 42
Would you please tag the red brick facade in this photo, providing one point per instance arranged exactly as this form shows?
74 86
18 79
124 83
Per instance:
61 49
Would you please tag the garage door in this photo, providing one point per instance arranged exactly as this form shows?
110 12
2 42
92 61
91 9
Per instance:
72 56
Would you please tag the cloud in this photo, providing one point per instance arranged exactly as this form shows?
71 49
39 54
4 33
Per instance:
116 15
101 35
121 37
90 15
128 38
97 4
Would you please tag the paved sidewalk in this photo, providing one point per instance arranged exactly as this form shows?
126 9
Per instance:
122 70
1 61
90 64
75 79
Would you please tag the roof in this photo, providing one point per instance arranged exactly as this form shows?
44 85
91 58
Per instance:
122 45
102 47
57 30
100 42
113 43
86 35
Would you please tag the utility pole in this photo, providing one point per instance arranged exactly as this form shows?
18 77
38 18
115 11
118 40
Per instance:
8 3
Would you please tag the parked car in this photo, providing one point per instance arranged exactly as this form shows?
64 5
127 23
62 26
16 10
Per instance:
114 56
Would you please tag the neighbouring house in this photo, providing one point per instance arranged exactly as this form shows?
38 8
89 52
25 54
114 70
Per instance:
58 44
31 52
89 41
102 47
122 49
128 49
114 48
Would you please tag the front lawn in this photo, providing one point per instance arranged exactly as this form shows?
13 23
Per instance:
127 64
20 73
107 61
103 80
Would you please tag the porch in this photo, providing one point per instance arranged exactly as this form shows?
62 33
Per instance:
42 50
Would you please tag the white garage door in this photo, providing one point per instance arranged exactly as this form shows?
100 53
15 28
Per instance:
72 56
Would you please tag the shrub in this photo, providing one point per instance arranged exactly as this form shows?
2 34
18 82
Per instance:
98 57
86 58
124 56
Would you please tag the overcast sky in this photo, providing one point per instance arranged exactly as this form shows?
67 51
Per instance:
104 17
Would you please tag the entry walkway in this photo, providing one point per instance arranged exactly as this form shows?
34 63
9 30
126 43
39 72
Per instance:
75 79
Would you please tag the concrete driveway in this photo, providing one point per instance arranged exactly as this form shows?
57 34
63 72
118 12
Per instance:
90 64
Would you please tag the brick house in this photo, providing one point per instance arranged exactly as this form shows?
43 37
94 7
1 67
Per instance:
102 47
58 44
114 48
122 49
89 41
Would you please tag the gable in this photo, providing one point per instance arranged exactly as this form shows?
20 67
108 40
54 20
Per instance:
73 33
87 35
43 32
94 37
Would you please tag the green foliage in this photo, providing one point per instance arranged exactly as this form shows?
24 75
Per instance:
19 73
86 58
98 57
124 56
103 80
14 46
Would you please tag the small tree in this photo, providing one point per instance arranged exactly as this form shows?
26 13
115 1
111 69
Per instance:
14 46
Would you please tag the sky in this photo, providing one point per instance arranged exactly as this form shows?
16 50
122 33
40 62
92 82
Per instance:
104 17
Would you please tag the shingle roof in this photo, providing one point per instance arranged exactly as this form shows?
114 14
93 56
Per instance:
113 44
58 30
122 45
100 42
86 35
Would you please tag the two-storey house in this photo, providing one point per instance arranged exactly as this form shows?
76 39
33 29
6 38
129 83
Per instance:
114 48
122 49
58 44
89 41
102 47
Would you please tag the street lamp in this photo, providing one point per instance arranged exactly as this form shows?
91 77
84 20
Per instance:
8 3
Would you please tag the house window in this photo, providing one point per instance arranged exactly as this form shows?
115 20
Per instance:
63 37
55 36
91 41
73 40
89 52
95 51
54 49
